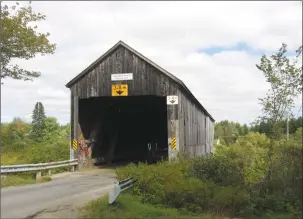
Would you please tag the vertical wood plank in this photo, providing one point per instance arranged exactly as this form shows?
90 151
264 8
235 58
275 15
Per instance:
76 121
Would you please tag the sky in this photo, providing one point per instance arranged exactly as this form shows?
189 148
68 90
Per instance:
212 47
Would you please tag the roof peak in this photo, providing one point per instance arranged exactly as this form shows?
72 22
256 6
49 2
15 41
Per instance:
121 43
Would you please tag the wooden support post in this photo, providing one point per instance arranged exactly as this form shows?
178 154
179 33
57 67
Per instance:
49 172
89 158
75 126
38 176
173 138
173 130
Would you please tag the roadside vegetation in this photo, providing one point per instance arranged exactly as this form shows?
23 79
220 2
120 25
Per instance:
254 172
242 180
43 140
20 40
128 206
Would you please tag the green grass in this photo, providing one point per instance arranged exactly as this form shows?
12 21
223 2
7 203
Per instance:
22 179
16 180
130 207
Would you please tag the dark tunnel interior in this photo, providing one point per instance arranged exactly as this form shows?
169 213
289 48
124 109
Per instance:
125 129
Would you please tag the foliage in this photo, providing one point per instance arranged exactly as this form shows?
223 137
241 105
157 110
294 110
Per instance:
168 184
38 122
17 130
19 147
20 39
233 181
264 126
219 170
130 207
51 130
22 179
298 135
16 180
285 78
228 131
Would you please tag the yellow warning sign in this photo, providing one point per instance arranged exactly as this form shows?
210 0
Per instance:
173 143
75 144
119 90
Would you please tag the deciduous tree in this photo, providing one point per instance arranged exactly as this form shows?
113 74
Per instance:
284 75
20 39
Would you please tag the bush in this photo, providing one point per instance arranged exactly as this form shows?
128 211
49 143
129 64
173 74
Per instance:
42 152
220 170
255 176
170 185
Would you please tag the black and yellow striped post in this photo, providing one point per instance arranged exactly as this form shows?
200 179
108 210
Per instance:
75 144
174 143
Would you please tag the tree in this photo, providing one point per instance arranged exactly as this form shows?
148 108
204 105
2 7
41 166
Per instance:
285 78
20 39
228 131
245 129
51 129
15 131
38 122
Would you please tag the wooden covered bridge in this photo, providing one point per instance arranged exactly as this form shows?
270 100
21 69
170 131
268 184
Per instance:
129 108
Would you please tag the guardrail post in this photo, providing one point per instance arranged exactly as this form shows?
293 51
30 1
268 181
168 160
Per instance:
49 172
38 176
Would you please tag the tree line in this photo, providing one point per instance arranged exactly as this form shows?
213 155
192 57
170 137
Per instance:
228 132
41 129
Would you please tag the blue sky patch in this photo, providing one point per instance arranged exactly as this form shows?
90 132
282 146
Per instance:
239 47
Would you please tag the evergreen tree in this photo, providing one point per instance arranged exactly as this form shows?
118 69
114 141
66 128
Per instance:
245 129
38 122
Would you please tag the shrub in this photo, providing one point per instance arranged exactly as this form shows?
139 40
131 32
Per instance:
170 185
240 179
219 170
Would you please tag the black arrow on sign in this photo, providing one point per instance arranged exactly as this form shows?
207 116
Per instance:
119 92
172 101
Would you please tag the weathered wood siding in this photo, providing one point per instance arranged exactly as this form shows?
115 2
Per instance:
196 128
147 80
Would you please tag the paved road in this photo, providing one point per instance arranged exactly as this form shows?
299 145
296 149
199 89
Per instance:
59 198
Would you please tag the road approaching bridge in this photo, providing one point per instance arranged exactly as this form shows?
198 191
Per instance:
59 198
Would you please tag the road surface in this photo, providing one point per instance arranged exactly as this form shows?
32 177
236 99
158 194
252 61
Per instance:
59 198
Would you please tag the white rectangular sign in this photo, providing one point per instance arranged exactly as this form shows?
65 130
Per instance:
172 100
122 77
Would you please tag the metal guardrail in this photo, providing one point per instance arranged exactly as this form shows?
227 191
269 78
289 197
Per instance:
37 167
119 187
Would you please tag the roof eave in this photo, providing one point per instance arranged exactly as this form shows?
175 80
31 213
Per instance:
91 66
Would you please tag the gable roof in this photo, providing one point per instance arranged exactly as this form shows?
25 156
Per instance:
121 43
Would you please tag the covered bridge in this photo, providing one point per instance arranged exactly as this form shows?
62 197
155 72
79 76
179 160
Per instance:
132 109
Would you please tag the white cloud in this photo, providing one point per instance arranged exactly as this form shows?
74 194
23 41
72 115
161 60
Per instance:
170 34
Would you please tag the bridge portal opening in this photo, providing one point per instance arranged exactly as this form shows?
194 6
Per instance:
125 129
